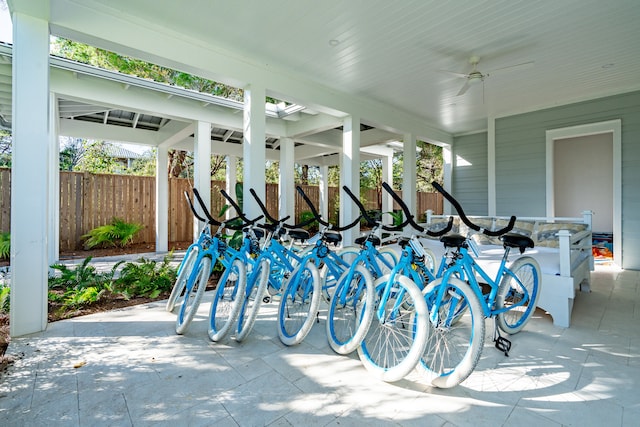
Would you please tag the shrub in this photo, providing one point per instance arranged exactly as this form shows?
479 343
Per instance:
145 278
5 245
4 298
80 285
306 216
117 233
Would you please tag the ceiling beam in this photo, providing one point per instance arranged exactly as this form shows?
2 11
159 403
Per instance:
89 130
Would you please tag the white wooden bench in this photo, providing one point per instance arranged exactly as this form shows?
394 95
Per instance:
562 248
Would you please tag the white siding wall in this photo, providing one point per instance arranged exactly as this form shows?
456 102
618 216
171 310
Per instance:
520 161
470 173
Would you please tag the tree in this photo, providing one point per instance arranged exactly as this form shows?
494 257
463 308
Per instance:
96 158
5 148
71 153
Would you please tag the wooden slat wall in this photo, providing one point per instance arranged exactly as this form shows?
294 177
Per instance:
88 201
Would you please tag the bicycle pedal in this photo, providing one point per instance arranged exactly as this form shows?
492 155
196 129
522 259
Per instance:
503 345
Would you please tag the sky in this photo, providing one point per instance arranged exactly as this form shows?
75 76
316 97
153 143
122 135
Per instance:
6 29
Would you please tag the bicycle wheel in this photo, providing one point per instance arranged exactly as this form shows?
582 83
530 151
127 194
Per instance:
523 273
350 310
227 300
185 269
394 343
328 280
456 335
387 259
190 299
299 304
256 287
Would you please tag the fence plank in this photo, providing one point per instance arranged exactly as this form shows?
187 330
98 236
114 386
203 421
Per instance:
88 201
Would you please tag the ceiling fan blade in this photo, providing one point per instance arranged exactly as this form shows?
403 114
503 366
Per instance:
464 88
511 68
453 73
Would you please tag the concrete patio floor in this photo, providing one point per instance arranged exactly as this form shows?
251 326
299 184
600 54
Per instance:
127 367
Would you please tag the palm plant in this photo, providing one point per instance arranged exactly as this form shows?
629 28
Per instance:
117 233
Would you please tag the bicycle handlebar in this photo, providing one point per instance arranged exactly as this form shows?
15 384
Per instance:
241 215
318 217
193 208
467 221
363 212
409 216
272 219
314 212
210 218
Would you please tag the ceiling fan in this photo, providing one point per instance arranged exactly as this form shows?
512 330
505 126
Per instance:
475 76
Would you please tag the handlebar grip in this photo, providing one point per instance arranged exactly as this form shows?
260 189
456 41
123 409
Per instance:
404 208
263 208
204 208
234 204
456 206
348 226
307 201
467 221
314 211
193 208
363 211
504 230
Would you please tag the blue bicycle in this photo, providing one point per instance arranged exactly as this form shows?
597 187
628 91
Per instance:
212 249
456 341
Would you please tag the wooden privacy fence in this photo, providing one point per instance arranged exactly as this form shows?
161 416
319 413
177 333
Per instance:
89 200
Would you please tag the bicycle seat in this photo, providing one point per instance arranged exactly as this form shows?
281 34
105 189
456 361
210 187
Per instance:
332 237
298 234
519 241
454 241
375 240
258 232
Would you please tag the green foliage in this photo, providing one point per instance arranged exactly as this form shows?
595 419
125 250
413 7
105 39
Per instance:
127 65
5 290
5 245
145 278
306 216
96 158
236 239
82 285
397 217
117 233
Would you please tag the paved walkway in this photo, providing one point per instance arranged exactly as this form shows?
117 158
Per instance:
129 368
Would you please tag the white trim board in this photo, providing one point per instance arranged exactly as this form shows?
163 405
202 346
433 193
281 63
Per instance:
615 128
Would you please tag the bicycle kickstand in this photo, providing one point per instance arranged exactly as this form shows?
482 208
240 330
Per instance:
502 343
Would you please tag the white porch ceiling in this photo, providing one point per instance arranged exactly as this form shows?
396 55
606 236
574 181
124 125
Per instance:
393 52
377 54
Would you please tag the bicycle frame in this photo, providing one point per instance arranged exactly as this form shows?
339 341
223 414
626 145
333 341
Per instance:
465 264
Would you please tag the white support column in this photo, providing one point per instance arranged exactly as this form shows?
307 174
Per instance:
162 199
286 184
447 159
54 182
350 176
232 170
202 167
30 206
324 192
409 174
491 165
253 148
387 199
